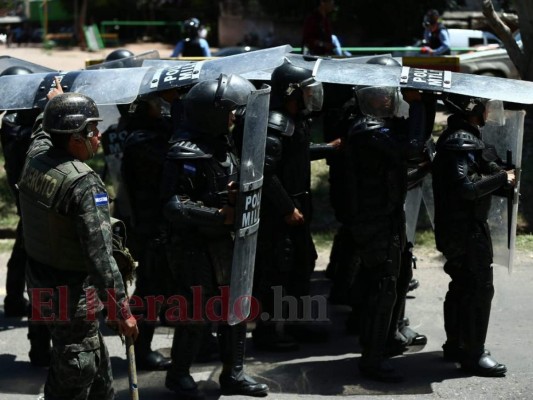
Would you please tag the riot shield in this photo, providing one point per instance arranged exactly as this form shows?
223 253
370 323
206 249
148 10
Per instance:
8 61
105 87
123 85
503 214
307 62
248 205
127 62
511 90
113 145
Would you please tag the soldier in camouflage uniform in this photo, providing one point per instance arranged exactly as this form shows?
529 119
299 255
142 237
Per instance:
71 271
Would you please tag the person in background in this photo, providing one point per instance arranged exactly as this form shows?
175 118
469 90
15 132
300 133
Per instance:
194 44
317 33
436 36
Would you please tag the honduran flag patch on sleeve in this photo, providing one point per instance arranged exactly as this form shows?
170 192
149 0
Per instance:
100 199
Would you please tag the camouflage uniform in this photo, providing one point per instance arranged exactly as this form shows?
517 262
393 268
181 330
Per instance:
80 366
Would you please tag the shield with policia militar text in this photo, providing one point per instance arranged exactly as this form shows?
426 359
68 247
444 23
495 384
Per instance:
248 205
111 86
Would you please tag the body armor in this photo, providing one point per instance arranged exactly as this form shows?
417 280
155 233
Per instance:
462 182
44 183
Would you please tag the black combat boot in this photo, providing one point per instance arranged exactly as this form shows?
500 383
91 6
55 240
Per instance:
233 380
474 325
483 365
40 345
146 358
185 345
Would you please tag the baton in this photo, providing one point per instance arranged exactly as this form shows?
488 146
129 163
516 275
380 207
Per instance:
132 369
510 201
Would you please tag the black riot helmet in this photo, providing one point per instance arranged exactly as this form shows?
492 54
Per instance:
69 113
465 105
208 105
384 60
191 27
118 55
290 80
16 70
487 110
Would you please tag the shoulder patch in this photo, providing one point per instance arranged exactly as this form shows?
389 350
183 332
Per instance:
101 199
189 169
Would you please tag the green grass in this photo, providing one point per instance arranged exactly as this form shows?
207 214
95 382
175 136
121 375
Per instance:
6 245
8 209
524 242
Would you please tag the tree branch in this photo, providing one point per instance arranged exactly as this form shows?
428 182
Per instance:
504 33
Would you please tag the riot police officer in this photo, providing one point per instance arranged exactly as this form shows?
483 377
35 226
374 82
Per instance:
464 177
193 45
68 239
286 254
15 136
374 221
146 133
197 190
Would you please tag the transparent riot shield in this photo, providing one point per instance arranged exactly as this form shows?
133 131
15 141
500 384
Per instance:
105 87
503 214
248 205
170 74
123 85
511 90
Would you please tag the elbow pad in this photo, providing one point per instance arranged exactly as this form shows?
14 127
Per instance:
273 151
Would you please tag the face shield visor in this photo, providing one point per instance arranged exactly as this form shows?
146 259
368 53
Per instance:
494 113
382 102
313 95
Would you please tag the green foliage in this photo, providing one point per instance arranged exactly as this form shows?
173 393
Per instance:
8 210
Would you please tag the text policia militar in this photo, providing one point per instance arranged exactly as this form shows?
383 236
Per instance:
52 305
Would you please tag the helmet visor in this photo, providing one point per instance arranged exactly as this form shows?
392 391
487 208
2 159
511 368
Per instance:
495 113
378 102
313 95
